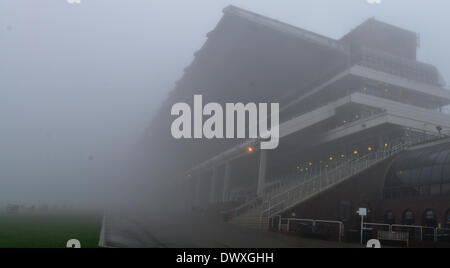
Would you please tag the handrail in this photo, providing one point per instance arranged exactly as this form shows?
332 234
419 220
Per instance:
293 192
355 167
420 228
293 187
289 220
340 172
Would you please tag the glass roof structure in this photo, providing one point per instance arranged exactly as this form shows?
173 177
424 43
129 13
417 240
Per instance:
420 172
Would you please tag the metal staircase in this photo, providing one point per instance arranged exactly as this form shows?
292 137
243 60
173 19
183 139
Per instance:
257 212
294 195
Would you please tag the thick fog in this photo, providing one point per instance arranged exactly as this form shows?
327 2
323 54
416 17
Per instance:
79 83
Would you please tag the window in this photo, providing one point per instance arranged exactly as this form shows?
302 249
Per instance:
408 218
389 217
429 218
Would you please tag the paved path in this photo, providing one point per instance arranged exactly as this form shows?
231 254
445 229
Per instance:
181 230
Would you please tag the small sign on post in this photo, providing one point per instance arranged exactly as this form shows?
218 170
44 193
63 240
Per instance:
362 212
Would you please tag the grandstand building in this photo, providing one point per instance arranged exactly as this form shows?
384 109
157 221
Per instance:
361 125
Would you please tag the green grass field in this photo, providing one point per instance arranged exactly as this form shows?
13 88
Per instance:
49 230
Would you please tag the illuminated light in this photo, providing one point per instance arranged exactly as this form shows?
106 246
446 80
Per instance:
370 149
386 145
250 149
342 156
355 152
331 158
310 164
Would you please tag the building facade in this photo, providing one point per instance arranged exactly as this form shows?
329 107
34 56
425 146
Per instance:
355 116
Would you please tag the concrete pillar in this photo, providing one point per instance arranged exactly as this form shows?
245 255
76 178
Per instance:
189 192
262 172
226 182
197 191
381 146
213 190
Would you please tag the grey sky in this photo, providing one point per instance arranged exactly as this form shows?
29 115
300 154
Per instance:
79 83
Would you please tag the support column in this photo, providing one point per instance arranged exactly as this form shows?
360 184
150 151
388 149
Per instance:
213 190
226 182
381 146
262 172
189 194
197 191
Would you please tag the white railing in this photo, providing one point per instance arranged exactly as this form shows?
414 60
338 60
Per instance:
286 195
289 225
415 232
329 178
